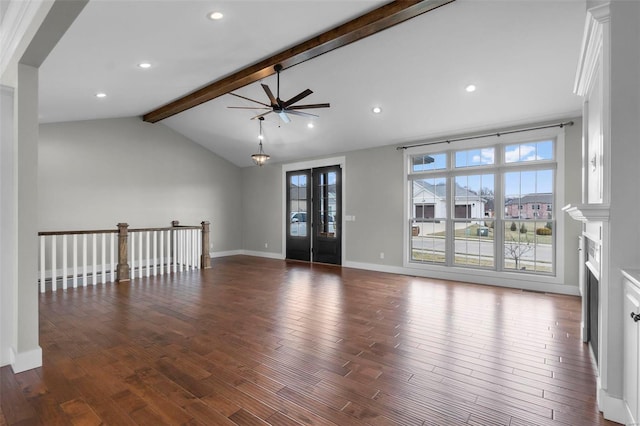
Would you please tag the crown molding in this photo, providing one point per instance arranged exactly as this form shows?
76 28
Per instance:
15 25
592 39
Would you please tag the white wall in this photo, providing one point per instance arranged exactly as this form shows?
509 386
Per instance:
624 247
374 195
95 174
7 226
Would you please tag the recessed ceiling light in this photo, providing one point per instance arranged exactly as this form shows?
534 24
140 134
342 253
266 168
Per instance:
144 65
376 110
101 95
310 125
215 16
470 88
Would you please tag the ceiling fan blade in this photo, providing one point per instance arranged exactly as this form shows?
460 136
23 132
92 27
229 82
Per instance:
272 98
249 107
296 98
284 117
310 106
262 115
249 99
302 114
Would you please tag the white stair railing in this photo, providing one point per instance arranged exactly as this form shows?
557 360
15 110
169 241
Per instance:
120 254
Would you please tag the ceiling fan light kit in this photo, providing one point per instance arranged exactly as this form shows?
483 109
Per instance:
280 107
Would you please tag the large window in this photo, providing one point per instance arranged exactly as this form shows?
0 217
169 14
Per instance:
489 208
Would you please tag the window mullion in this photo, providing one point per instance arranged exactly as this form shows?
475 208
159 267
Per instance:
449 240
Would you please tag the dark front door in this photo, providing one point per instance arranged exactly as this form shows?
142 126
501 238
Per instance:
327 215
314 223
298 215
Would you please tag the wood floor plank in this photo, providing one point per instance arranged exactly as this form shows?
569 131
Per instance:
256 341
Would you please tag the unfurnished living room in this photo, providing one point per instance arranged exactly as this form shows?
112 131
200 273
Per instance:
340 212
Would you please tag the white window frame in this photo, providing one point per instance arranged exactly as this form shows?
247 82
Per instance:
479 275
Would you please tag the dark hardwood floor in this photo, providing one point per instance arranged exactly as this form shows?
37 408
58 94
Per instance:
256 341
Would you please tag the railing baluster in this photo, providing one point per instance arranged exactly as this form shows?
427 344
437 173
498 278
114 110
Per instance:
199 247
168 242
148 254
187 249
64 262
181 251
84 260
161 247
43 267
94 257
53 263
155 253
194 249
103 246
175 250
132 253
75 260
140 244
112 245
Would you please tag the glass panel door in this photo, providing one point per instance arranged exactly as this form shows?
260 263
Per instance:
298 215
327 195
314 224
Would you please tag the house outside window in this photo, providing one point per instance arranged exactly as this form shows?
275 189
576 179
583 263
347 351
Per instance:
453 215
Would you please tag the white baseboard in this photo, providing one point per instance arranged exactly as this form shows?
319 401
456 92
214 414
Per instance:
521 282
5 356
225 253
612 408
23 361
269 255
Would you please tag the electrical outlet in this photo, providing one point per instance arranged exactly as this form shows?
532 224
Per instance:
266 245
381 255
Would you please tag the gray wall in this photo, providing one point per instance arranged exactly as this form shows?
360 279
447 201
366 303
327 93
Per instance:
94 174
573 196
374 185
262 210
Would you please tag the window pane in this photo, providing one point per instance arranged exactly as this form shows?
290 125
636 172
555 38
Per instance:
474 244
474 196
423 163
327 205
429 198
298 205
429 210
475 157
428 241
529 194
530 151
528 246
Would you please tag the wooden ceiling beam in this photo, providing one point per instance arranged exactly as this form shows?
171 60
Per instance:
363 26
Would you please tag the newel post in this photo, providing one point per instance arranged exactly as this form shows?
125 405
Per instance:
205 258
123 273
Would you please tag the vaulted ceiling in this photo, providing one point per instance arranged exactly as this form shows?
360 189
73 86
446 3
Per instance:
521 56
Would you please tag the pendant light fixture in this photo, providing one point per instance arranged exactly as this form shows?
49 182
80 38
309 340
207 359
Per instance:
260 158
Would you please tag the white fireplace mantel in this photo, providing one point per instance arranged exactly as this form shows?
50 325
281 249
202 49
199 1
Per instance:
588 212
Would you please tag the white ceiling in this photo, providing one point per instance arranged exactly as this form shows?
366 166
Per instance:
522 56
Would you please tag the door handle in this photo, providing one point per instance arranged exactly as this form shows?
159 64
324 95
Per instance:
635 317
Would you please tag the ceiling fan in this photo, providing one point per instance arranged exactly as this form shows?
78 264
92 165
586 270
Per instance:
280 107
